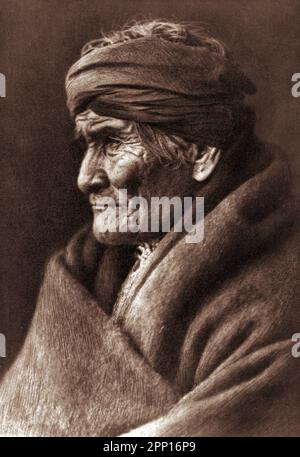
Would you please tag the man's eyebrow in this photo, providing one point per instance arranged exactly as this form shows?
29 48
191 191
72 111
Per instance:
79 133
96 130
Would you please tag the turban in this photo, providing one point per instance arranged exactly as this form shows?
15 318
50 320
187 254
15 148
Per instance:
191 91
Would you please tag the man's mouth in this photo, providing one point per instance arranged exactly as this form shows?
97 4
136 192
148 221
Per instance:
101 203
101 207
120 209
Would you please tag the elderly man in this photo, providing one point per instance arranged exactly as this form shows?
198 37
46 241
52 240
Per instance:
139 332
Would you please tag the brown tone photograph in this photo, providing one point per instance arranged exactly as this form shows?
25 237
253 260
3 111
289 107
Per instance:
149 223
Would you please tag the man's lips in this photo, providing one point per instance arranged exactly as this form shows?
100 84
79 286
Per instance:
103 206
103 202
123 209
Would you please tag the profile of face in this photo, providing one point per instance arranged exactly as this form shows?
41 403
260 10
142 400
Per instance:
116 160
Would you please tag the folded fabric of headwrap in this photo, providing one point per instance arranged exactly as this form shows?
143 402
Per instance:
190 91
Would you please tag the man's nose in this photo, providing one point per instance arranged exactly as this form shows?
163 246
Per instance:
92 177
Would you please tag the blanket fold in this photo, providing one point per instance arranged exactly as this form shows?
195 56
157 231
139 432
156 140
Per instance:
202 345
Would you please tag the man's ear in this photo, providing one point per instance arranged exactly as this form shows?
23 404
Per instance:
206 163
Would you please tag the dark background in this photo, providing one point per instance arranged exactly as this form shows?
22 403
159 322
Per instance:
39 40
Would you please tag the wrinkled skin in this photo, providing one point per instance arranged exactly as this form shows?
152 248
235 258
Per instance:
115 159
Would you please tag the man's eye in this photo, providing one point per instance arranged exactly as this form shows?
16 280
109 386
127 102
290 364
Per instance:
114 141
111 145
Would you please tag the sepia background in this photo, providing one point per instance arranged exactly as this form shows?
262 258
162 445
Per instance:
40 39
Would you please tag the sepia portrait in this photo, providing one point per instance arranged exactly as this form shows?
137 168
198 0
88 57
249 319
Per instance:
150 249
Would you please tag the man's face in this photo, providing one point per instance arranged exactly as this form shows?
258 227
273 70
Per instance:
115 159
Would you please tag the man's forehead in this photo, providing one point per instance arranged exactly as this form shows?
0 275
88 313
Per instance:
88 122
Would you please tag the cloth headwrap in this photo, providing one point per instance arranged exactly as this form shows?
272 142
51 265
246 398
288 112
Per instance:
189 91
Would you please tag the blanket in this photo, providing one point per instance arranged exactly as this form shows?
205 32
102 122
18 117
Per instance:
202 344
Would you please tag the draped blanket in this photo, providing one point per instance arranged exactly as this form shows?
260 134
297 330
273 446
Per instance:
202 345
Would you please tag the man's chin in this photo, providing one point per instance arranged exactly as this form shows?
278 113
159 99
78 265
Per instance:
121 238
